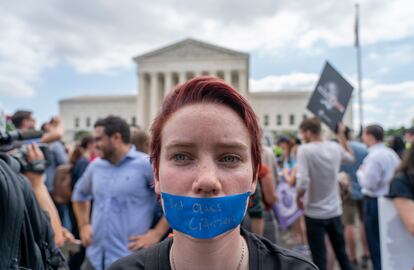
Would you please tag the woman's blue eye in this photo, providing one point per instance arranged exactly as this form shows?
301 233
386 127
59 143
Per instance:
230 158
180 157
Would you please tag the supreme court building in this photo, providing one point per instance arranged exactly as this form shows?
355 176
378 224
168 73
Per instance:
159 71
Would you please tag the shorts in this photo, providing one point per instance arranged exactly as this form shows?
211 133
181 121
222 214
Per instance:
352 209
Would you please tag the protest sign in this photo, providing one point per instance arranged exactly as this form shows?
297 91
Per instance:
330 97
286 209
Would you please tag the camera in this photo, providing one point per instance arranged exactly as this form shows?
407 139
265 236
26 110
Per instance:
13 150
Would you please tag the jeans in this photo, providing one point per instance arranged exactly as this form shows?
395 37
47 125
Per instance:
372 232
63 211
316 229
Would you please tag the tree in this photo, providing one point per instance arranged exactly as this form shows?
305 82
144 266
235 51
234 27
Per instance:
80 134
395 131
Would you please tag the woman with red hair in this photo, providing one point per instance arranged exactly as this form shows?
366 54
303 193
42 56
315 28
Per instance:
205 151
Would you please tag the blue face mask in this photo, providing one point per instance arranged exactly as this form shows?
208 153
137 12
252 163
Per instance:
204 218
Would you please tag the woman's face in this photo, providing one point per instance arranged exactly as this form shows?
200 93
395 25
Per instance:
205 152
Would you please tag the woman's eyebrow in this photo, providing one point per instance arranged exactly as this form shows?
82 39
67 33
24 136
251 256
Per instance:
226 145
232 145
179 144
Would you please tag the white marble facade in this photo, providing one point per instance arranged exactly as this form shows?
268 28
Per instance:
81 113
161 70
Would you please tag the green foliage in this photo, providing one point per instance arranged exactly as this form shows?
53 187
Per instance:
80 134
396 131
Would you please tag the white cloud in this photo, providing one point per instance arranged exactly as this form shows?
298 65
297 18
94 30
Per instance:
388 104
100 36
15 88
293 81
23 56
372 90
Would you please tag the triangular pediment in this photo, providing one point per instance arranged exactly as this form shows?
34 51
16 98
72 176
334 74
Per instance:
189 48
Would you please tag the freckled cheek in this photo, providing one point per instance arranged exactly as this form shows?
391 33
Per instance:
175 180
237 181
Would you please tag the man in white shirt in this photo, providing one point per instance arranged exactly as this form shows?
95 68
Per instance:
374 176
317 184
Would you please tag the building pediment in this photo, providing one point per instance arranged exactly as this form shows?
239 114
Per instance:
190 49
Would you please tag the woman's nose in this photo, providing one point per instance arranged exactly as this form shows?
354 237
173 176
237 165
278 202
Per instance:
207 182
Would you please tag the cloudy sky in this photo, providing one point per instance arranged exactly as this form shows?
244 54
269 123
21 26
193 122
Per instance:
52 49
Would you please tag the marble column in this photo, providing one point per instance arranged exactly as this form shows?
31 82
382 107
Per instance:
243 82
168 83
197 73
154 97
182 77
227 76
142 112
212 73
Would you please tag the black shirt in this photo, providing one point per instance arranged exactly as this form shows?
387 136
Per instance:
401 187
262 255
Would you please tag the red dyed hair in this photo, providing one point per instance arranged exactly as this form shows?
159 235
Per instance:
203 90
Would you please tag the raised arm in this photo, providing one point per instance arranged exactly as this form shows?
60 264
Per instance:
42 195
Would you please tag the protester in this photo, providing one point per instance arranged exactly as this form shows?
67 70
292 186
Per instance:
43 197
81 156
58 157
317 181
140 139
254 221
121 186
409 137
262 220
287 156
267 182
397 144
353 203
206 154
288 172
24 120
28 239
374 176
402 190
79 161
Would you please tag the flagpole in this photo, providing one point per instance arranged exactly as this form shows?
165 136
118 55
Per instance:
359 66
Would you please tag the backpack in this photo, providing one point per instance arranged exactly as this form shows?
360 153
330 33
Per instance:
27 238
345 186
62 184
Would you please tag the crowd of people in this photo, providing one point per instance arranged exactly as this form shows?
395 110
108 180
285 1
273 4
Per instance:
204 189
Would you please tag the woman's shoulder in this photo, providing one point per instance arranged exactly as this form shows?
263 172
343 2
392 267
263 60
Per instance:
270 256
155 257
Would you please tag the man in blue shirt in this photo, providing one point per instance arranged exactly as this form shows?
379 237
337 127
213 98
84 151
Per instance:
121 187
353 203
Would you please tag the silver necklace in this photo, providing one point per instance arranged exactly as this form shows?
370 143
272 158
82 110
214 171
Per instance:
238 267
